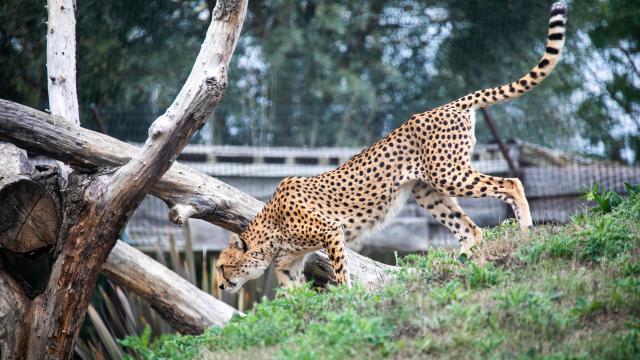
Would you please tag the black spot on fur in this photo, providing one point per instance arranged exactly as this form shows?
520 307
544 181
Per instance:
556 36
543 63
556 23
551 50
559 10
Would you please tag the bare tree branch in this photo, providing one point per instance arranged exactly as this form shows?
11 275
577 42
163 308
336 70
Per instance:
211 199
61 60
61 64
108 199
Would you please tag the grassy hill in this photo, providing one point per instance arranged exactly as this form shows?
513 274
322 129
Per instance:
558 292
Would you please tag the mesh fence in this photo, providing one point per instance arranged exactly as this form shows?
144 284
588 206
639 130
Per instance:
312 83
555 184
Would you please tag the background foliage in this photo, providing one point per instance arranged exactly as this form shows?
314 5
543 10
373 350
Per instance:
342 73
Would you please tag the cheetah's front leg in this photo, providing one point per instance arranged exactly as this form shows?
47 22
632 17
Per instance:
289 271
335 245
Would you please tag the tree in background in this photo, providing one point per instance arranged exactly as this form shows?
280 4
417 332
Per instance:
343 73
610 108
147 48
23 52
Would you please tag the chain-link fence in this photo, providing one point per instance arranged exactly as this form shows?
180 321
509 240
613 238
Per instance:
312 83
554 182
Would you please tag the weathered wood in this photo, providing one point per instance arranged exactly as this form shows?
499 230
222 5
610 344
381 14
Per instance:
42 133
15 164
61 59
14 306
61 64
28 216
370 274
108 199
536 155
184 306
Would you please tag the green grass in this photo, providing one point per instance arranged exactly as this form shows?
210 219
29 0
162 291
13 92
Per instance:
558 292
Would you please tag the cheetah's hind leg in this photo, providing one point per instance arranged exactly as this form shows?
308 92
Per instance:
473 184
445 210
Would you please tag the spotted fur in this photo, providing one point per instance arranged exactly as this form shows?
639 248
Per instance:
428 156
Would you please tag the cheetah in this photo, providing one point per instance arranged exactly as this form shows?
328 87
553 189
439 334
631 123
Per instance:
427 157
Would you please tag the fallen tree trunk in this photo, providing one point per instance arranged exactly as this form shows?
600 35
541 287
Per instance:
187 192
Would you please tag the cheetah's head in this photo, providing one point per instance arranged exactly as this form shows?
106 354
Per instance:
238 264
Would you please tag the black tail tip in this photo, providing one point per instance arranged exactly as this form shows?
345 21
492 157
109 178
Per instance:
558 8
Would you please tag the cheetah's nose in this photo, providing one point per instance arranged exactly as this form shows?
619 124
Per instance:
221 286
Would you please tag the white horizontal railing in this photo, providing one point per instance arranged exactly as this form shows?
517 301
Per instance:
274 162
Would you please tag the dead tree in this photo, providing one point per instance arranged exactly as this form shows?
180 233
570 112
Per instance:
61 64
99 204
113 178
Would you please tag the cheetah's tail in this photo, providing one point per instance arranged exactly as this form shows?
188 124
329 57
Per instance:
555 42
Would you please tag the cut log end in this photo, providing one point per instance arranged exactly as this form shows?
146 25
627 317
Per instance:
29 217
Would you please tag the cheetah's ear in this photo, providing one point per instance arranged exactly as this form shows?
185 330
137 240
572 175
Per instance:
235 241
